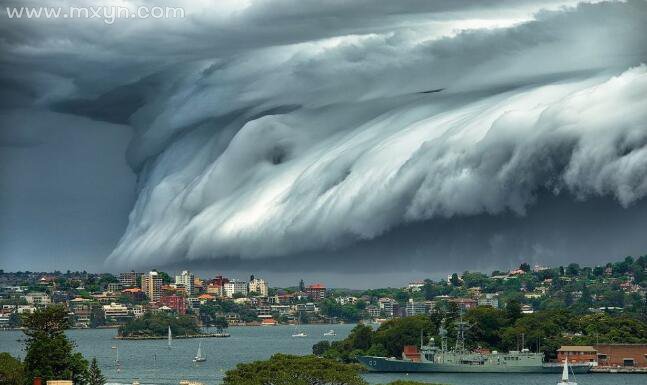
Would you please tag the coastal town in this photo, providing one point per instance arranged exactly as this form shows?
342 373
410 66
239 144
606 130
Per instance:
597 297
106 300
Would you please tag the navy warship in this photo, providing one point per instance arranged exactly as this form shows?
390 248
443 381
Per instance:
440 359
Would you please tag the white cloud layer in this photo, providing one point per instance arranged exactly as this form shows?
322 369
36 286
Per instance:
274 129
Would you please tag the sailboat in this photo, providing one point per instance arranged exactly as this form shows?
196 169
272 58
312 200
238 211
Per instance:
330 333
170 337
298 333
198 356
565 380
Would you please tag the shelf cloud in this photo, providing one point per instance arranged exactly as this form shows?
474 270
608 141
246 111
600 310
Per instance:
289 132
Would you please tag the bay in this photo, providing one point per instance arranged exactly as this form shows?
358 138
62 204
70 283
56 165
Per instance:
151 362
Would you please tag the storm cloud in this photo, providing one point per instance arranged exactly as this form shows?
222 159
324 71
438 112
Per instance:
285 133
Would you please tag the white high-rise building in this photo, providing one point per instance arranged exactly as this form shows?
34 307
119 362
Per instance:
187 280
152 285
259 286
235 286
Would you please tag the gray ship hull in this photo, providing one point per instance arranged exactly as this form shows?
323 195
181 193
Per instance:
382 364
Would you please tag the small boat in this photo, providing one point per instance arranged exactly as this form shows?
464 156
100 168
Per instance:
330 333
297 332
198 356
565 380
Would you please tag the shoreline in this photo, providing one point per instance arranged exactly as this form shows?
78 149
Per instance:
206 335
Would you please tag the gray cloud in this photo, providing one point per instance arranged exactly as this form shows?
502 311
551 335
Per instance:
286 132
352 165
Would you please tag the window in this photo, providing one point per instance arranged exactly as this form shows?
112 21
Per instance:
628 362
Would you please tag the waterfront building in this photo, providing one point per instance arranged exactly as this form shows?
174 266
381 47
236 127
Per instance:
152 286
259 286
129 279
316 291
187 280
281 309
116 312
309 307
235 287
175 303
624 355
577 354
138 310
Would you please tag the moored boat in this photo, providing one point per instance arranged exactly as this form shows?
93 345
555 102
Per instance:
439 359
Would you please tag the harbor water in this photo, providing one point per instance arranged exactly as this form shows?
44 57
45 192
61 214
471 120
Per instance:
152 362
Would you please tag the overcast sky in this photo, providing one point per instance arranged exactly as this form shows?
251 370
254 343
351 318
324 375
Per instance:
362 143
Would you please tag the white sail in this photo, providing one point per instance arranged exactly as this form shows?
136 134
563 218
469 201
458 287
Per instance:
565 371
199 354
170 338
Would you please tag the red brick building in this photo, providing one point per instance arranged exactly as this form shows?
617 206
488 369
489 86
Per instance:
577 354
175 302
316 292
633 355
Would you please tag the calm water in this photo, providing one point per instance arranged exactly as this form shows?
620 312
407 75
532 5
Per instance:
152 363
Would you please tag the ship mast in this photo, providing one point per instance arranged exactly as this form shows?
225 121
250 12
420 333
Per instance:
461 327
442 332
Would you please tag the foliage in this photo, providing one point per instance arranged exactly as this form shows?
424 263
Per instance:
50 355
12 371
494 329
95 377
157 324
283 369
348 313
320 348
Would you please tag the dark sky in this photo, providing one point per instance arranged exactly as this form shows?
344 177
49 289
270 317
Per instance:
295 138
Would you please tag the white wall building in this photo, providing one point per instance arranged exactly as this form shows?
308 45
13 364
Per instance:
259 286
235 286
187 280
38 299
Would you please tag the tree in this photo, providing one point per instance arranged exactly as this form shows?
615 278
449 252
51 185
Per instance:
95 377
50 355
320 348
284 369
524 267
11 370
513 310
455 280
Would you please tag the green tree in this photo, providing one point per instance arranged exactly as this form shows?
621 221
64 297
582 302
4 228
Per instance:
513 310
284 369
320 348
455 280
95 377
50 355
11 370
